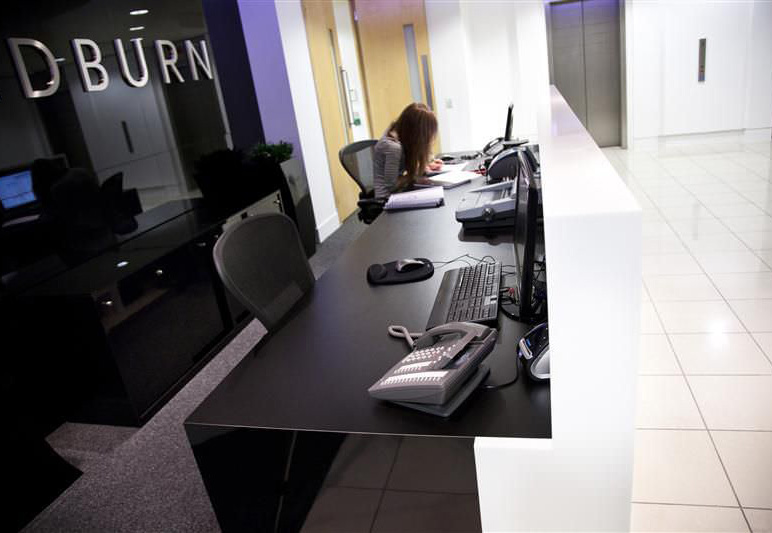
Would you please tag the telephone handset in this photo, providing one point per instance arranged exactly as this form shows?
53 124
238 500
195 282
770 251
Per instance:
494 146
440 370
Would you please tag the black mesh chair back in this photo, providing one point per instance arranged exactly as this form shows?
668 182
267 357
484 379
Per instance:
357 159
261 261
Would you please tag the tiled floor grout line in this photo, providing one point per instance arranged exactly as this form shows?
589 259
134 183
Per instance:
680 366
715 430
686 504
750 200
721 375
385 485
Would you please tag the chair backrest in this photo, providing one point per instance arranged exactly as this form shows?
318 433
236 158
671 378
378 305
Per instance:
357 159
261 261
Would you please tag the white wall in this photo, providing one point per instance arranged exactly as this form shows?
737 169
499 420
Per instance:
349 58
301 81
447 44
665 96
486 54
758 98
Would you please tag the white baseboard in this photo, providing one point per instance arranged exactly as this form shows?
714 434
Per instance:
758 135
327 227
749 135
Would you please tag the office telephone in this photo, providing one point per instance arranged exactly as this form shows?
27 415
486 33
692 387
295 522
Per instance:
442 370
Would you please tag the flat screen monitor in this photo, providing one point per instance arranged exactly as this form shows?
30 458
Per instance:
529 243
16 189
508 128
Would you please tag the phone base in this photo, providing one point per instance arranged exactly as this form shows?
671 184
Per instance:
447 409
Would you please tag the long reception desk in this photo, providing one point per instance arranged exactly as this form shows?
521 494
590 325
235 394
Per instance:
291 441
580 478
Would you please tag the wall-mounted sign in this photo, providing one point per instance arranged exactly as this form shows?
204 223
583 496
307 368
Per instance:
88 60
701 61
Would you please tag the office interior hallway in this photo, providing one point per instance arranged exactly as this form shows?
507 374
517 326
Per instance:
703 454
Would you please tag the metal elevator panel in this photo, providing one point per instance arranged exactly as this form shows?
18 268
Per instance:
585 64
567 49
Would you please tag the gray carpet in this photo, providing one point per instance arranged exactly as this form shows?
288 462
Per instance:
146 479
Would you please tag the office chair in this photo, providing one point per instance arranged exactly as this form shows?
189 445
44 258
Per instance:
262 263
357 160
261 260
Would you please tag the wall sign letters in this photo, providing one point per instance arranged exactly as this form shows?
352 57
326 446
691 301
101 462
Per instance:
93 74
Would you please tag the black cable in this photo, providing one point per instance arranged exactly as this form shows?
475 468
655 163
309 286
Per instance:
508 383
460 260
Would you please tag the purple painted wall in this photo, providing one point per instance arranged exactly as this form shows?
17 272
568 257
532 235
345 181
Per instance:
269 72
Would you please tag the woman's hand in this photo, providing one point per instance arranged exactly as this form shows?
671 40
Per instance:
434 166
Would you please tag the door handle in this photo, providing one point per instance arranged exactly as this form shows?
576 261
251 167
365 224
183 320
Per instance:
427 82
127 136
347 96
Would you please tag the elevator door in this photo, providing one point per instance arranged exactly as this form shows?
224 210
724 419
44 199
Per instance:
585 63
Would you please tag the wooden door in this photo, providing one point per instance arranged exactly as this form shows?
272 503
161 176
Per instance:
394 45
325 62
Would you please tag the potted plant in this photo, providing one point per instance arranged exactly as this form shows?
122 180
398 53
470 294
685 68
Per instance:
231 180
292 184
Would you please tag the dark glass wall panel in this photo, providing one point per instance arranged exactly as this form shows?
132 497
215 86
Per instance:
150 136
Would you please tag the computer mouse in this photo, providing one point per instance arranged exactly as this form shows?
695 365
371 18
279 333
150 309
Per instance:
409 265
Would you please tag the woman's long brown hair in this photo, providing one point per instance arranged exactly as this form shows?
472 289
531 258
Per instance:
415 129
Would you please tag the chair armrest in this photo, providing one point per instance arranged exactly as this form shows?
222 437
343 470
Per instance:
371 203
369 209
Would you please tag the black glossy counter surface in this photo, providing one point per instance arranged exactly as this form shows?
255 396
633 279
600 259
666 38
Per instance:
313 372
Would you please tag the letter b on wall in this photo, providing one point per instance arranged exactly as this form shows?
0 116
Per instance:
95 63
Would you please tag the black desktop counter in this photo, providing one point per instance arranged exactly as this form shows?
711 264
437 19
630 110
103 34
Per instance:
269 435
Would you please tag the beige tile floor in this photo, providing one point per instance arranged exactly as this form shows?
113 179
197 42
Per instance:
703 455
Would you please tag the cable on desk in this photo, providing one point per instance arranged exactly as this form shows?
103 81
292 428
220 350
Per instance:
460 259
508 383
401 332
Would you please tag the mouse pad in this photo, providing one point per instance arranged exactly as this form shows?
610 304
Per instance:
386 273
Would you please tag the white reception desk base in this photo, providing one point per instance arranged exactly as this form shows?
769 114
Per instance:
581 479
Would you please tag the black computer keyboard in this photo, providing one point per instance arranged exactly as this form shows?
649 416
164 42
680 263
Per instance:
469 294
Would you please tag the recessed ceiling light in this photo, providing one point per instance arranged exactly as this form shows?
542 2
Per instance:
121 264
139 12
136 28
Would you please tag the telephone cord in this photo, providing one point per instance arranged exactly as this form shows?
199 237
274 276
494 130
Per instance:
401 332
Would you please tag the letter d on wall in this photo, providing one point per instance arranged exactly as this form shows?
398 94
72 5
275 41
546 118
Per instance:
84 65
21 69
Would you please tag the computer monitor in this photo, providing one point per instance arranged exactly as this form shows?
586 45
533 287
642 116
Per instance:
16 188
508 128
530 299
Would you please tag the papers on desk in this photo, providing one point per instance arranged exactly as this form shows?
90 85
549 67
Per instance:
453 178
447 168
431 197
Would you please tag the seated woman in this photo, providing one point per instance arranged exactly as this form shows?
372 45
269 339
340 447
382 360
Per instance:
401 156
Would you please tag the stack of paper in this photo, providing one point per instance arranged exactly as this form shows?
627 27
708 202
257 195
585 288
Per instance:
431 197
447 168
453 178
